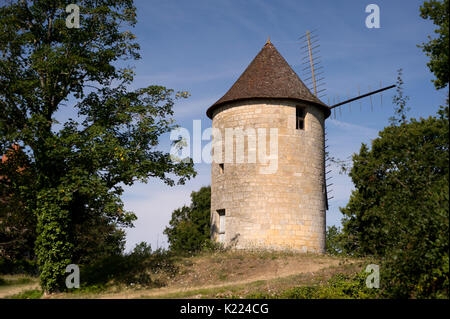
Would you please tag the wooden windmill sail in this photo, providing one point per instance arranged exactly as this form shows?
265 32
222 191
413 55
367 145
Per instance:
311 63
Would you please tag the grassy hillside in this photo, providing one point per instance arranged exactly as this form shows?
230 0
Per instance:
236 274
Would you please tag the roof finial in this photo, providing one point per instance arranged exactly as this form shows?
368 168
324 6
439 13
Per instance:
268 40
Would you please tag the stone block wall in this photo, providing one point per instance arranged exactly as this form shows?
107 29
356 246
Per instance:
282 210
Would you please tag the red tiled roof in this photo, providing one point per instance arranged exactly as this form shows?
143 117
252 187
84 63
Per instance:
269 76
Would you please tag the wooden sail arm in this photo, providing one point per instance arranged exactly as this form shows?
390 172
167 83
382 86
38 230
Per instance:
361 96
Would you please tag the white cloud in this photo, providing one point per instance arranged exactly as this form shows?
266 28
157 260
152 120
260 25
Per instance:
352 128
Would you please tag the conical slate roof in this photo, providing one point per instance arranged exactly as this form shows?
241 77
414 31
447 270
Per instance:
269 76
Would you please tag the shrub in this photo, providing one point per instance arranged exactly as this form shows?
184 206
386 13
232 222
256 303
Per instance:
399 210
340 286
131 269
334 241
21 266
189 228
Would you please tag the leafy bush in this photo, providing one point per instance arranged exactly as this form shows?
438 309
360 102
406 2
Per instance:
334 242
189 229
21 266
212 246
418 267
340 286
399 210
131 269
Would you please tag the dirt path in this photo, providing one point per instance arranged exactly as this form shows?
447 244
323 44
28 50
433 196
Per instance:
280 270
6 291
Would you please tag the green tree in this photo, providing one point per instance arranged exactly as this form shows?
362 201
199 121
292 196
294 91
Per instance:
437 48
335 241
189 228
94 238
17 225
399 209
78 167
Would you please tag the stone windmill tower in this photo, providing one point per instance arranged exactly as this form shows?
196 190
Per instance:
286 208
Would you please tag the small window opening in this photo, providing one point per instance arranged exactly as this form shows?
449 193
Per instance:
221 168
221 213
300 118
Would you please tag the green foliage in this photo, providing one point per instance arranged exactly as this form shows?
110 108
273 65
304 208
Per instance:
130 269
418 266
400 102
76 170
189 228
53 245
28 294
437 48
213 246
256 295
15 281
93 236
18 266
399 209
90 289
340 286
334 241
17 225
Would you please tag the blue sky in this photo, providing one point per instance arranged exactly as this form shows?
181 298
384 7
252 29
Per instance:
203 46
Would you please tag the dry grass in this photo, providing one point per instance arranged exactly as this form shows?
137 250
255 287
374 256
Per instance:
229 274
235 274
16 284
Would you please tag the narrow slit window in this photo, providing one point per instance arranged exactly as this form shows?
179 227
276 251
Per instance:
300 118
221 213
221 168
